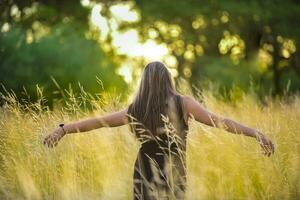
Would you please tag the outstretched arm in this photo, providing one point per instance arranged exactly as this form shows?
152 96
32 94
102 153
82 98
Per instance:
195 110
111 120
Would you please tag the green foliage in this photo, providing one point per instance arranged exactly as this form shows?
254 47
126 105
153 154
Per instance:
225 75
257 24
231 43
65 54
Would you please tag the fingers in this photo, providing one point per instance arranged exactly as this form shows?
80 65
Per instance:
273 147
266 145
265 150
48 142
51 140
268 149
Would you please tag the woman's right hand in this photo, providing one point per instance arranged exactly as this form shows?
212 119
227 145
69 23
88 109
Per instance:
266 144
52 139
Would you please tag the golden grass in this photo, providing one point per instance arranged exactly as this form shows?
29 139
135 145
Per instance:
99 164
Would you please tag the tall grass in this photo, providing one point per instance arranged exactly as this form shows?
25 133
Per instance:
99 164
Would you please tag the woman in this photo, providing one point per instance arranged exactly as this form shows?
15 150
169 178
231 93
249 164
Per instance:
159 116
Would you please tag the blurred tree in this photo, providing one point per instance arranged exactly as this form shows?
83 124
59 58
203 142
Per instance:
227 42
199 32
240 29
44 39
25 13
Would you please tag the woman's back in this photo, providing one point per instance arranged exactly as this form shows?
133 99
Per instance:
160 166
173 121
175 114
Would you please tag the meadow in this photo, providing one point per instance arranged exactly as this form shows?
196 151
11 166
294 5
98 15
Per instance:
99 164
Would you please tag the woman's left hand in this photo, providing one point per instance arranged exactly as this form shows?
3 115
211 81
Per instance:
52 139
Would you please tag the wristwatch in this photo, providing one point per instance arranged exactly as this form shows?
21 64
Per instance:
62 127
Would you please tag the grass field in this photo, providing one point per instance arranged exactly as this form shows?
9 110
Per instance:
99 164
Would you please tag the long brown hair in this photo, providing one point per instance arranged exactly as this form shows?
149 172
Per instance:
156 86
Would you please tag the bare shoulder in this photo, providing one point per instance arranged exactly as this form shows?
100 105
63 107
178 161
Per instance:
193 106
188 100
